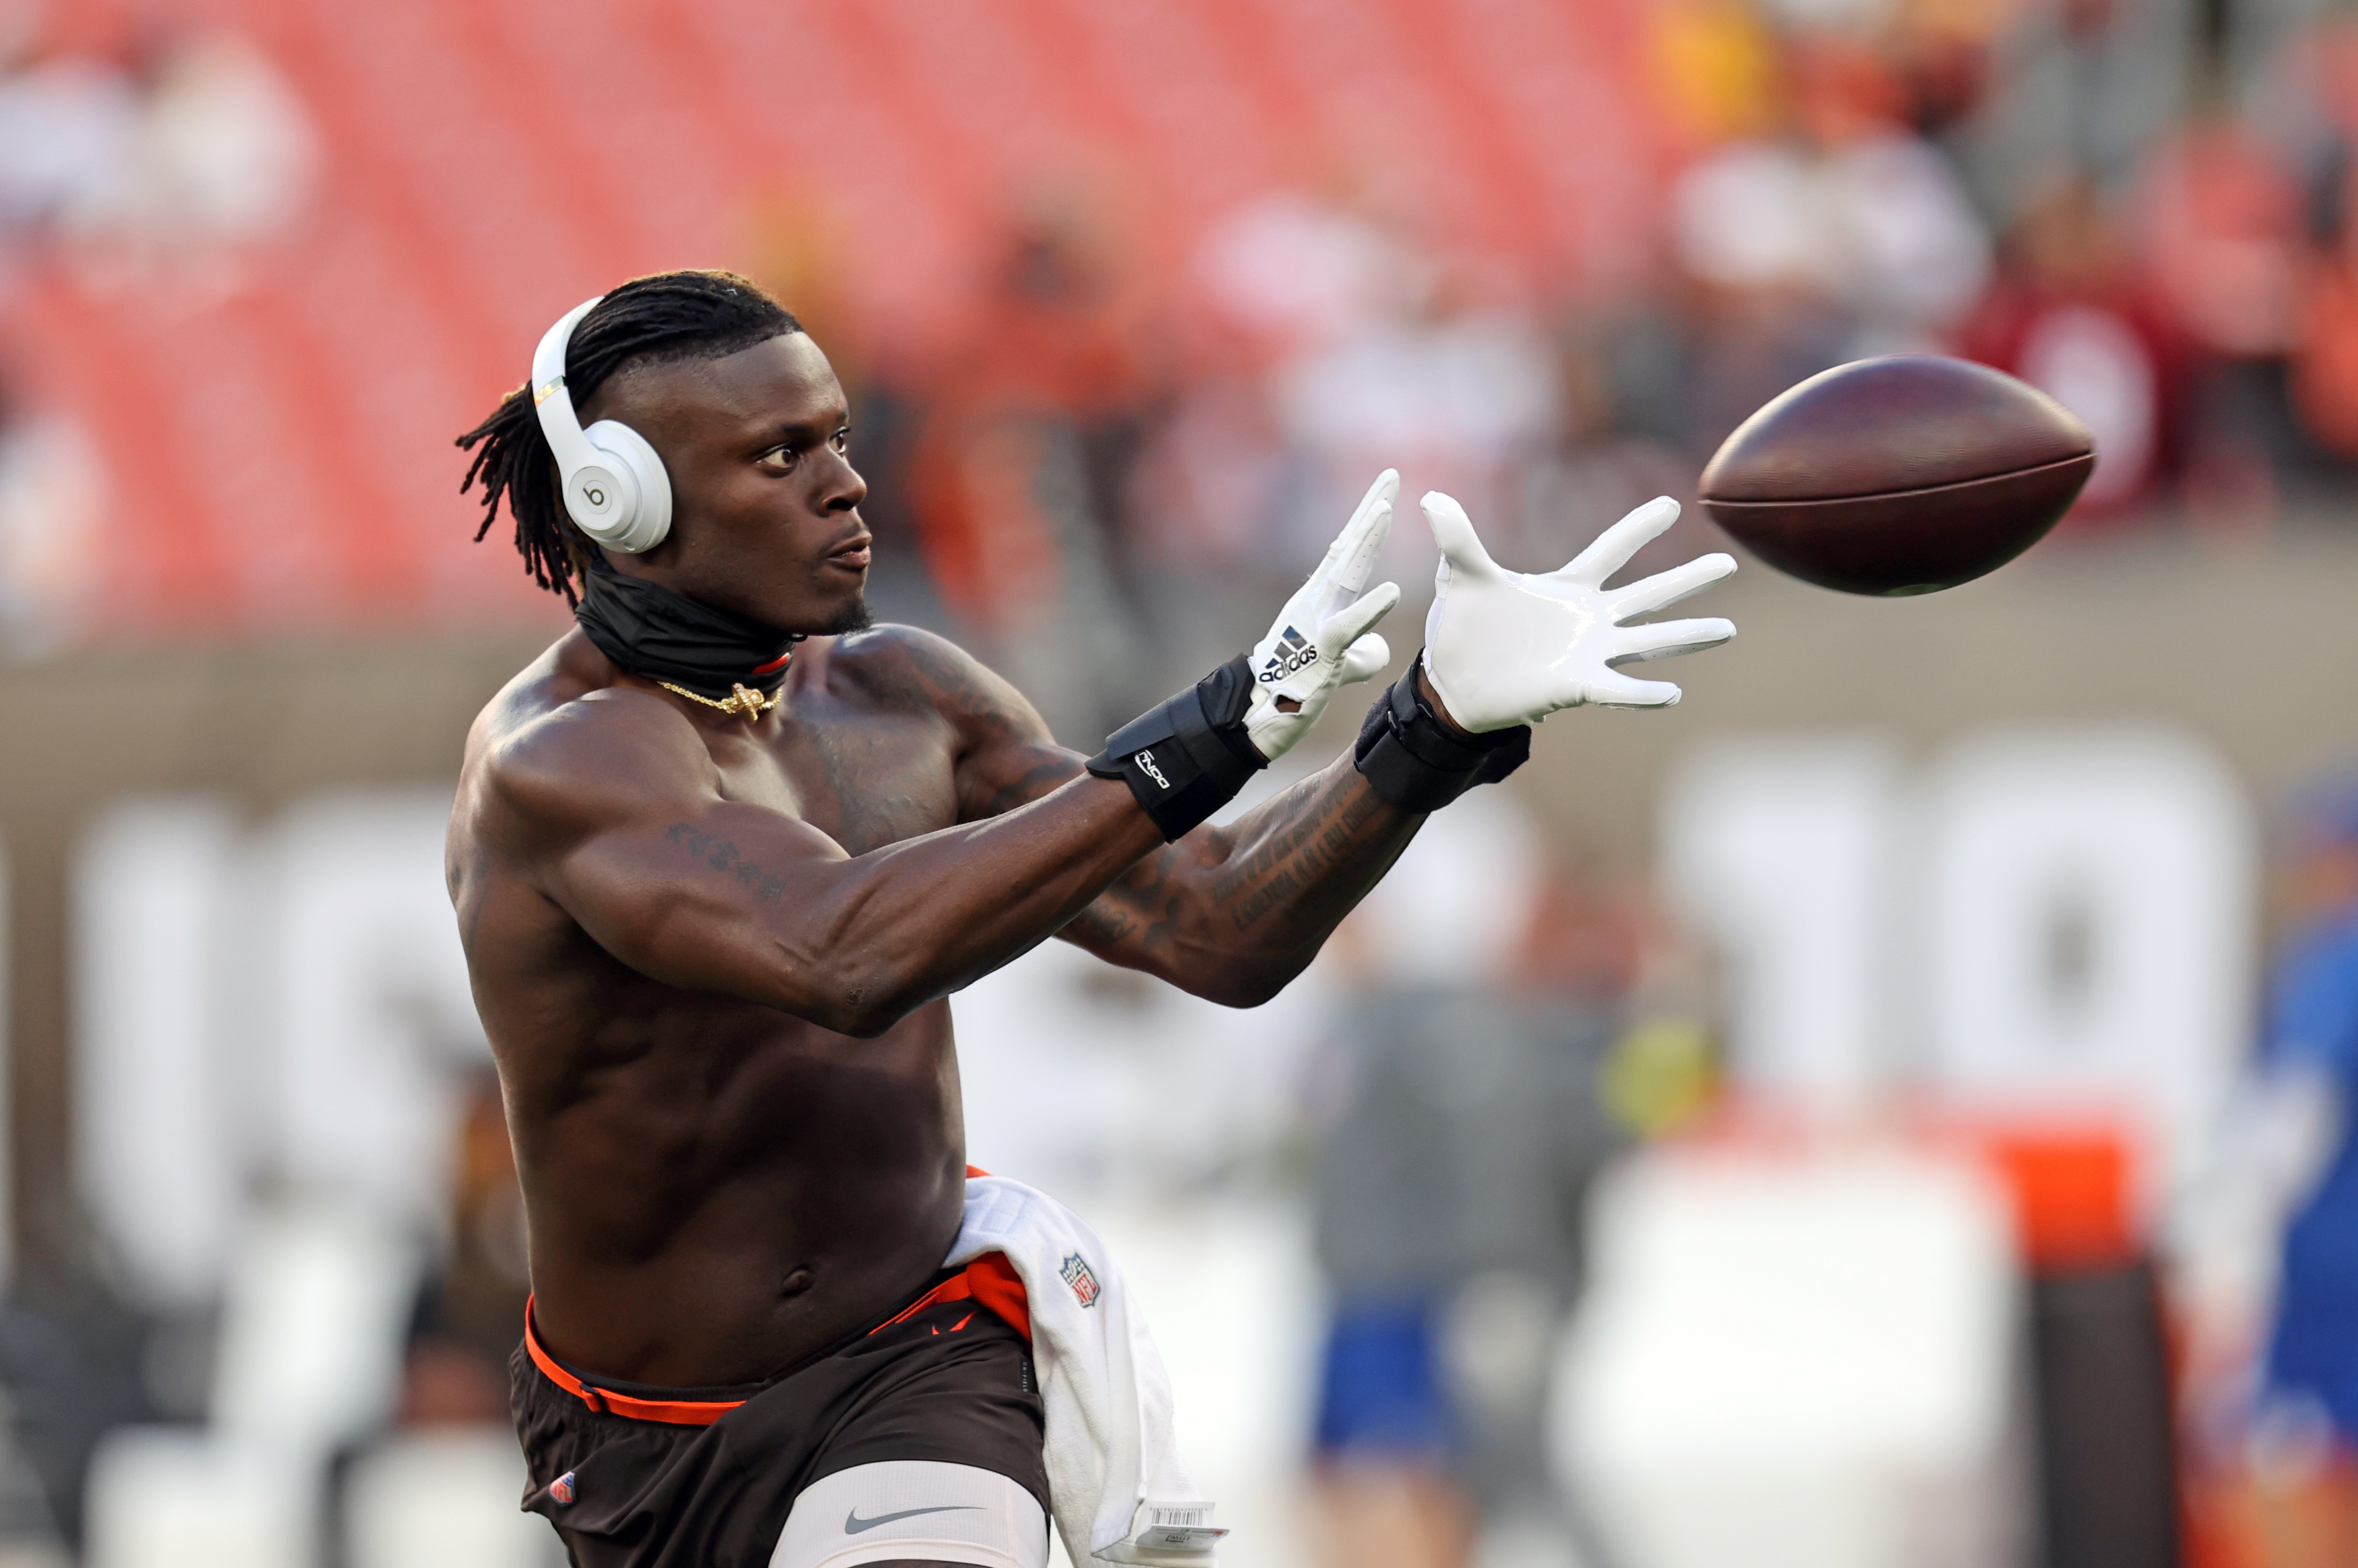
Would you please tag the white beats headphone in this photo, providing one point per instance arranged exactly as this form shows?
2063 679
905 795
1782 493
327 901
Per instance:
614 486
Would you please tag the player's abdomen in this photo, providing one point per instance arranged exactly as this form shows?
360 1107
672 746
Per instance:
731 1201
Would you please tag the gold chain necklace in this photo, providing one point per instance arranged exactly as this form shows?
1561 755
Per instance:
742 700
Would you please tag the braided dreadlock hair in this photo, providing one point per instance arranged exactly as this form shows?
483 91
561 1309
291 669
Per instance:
662 319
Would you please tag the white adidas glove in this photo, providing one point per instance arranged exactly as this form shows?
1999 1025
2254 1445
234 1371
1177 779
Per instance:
1320 641
1505 648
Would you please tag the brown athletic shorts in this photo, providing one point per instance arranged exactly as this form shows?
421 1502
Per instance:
642 1478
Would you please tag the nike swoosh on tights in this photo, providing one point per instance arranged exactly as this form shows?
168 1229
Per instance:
853 1524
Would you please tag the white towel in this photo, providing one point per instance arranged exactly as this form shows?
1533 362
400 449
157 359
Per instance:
1116 1487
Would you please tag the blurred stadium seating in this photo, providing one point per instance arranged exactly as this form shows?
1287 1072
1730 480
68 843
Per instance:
282 455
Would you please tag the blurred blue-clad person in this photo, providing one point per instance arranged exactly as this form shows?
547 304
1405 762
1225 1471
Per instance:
2308 1064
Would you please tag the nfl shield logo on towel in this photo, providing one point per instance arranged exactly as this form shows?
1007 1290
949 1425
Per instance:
1075 1273
560 1490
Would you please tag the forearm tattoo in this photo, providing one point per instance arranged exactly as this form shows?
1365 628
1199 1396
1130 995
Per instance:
1298 862
1296 858
1315 858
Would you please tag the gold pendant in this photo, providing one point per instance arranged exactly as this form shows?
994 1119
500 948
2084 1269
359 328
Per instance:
742 700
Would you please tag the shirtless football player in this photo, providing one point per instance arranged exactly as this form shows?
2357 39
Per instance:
721 855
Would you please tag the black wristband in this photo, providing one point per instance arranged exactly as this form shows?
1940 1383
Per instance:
1187 758
1409 756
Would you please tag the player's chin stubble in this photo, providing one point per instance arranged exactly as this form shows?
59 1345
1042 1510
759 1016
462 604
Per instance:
852 617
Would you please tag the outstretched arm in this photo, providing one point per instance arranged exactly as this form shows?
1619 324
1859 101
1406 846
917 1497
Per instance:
612 808
1230 913
1233 913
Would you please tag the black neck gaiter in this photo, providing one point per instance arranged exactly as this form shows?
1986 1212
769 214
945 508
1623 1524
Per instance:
652 632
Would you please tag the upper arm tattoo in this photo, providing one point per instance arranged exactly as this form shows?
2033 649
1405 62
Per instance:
722 855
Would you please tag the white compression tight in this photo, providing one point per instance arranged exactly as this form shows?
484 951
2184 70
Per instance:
914 1510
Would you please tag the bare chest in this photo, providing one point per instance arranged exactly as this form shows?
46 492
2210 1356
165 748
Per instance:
865 778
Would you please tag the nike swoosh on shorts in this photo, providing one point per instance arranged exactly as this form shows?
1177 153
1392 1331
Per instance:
853 1524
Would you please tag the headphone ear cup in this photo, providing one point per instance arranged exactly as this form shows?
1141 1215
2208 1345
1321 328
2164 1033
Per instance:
631 528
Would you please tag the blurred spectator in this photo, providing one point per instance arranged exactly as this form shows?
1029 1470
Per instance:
2325 365
1845 235
1224 494
802 251
1855 214
1377 356
1295 273
2221 216
1716 70
2325 360
2069 315
1463 1126
155 175
2272 1384
2308 1059
1029 425
53 496
1457 397
1449 1194
68 130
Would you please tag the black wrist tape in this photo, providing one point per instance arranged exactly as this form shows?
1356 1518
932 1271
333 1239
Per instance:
1409 756
1187 758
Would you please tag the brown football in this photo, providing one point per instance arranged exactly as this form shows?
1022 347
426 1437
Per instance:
1906 474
